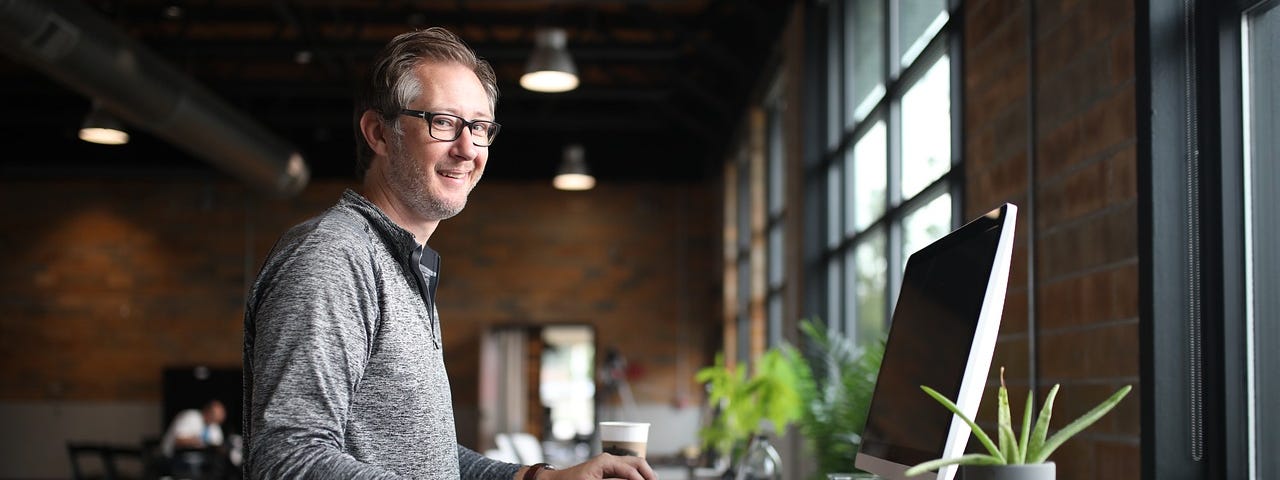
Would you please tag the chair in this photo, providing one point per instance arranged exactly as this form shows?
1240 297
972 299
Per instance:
109 458
504 451
527 448
517 447
155 464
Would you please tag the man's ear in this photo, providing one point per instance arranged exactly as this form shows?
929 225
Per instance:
374 131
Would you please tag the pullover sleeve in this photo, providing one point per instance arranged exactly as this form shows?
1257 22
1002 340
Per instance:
309 325
479 467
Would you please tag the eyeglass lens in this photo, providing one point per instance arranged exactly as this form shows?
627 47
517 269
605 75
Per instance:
446 127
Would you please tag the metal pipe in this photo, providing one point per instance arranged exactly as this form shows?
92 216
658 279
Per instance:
79 49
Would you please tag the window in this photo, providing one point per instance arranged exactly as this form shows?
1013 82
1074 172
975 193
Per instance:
775 222
755 240
744 256
1209 312
888 158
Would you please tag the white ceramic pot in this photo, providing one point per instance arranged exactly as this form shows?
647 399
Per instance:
1036 471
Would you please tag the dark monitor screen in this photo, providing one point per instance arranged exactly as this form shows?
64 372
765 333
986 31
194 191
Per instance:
932 338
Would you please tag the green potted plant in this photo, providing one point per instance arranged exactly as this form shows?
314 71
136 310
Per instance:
1021 456
745 401
835 380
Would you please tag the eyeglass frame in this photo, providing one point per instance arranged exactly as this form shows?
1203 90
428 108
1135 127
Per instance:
464 125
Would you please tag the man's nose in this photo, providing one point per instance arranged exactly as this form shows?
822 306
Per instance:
464 147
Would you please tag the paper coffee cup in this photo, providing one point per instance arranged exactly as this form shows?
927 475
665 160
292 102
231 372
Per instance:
624 438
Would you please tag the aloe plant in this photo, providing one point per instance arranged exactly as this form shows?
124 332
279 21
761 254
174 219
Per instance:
1031 444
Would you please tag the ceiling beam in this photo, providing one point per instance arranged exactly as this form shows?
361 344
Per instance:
492 51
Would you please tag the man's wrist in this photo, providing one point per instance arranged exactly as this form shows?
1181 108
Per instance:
536 469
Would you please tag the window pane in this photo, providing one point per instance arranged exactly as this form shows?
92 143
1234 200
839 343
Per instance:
870 176
834 76
864 56
834 194
918 22
871 278
744 203
1262 231
775 162
775 256
926 224
833 292
849 292
744 310
566 383
775 320
926 129
850 193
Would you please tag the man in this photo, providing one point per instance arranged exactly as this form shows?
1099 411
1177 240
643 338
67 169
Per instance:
190 442
344 374
195 429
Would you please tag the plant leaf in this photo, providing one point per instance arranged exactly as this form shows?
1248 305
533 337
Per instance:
1026 429
780 402
1014 454
835 378
728 392
970 459
1042 424
1080 424
1008 447
977 431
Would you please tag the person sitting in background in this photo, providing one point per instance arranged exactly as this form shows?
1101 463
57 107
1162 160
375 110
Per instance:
193 442
195 429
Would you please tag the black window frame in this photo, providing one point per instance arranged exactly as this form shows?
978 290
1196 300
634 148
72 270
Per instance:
1195 395
826 90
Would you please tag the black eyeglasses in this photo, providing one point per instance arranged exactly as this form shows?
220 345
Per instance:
447 127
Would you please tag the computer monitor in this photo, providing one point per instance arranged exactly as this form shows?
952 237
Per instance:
943 333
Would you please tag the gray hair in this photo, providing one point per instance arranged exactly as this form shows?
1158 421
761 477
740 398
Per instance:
391 84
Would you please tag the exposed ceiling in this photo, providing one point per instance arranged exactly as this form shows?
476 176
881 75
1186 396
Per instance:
664 83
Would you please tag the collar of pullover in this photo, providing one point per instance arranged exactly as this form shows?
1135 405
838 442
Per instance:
403 242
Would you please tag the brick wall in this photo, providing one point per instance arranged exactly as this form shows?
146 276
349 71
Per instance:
1055 133
107 282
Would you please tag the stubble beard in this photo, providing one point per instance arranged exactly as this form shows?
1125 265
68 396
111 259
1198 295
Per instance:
412 180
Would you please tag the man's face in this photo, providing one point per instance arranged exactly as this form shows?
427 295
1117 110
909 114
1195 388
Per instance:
215 414
433 177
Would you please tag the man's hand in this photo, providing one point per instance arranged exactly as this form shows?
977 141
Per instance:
604 466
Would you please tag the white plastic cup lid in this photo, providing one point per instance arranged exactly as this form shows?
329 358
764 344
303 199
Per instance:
624 431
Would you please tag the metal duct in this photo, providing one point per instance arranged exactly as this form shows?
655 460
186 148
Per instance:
75 46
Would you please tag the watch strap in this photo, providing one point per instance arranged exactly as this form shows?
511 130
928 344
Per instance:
535 469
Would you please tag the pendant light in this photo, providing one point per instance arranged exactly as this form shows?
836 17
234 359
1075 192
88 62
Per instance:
102 127
550 69
573 174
